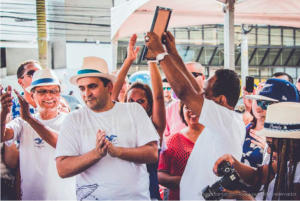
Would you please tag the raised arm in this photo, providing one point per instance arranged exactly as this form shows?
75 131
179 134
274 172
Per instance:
132 52
46 133
6 103
68 166
158 110
171 49
179 81
147 153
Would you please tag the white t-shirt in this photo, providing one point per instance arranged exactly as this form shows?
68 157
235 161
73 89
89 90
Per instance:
127 125
260 195
224 133
39 177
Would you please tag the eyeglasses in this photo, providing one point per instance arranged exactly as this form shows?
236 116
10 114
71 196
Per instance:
167 88
264 104
29 73
195 74
43 92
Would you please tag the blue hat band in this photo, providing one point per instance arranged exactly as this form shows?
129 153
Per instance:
85 71
282 127
42 81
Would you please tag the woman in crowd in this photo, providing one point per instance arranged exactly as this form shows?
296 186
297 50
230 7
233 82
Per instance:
252 152
280 175
173 160
274 90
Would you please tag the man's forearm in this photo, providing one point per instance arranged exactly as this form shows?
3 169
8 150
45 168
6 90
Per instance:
68 166
181 66
143 154
50 136
182 86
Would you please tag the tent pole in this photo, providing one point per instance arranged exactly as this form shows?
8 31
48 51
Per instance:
229 35
244 58
114 47
42 32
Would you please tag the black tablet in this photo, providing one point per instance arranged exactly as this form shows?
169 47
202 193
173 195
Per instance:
159 26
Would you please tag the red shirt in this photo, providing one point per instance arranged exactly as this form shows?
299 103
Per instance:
173 160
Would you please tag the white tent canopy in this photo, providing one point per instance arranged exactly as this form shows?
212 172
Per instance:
135 16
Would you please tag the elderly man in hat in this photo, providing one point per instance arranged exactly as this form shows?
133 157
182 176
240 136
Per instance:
106 144
37 136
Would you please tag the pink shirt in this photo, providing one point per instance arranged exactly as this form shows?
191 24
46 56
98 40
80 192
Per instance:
174 123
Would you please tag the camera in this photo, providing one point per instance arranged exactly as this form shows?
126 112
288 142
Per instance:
230 181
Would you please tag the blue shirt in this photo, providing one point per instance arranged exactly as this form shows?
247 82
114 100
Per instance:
252 154
16 107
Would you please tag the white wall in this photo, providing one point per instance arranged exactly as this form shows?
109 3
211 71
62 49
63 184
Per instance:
77 51
16 56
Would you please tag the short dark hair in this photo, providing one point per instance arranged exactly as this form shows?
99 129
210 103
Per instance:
105 81
21 68
181 113
164 80
277 74
148 92
227 84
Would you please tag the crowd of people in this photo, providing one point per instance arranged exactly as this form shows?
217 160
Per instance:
132 141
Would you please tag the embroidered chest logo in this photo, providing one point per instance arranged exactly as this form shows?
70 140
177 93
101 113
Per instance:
39 142
112 138
85 192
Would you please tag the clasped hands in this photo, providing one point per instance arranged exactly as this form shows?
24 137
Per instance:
104 146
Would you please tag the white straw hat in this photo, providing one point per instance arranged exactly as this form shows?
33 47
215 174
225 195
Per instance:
282 121
93 67
43 77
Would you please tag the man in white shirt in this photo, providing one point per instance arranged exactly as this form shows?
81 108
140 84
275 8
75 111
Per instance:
106 144
224 129
37 136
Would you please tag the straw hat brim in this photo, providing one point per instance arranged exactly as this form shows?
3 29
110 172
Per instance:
260 97
74 78
41 84
278 134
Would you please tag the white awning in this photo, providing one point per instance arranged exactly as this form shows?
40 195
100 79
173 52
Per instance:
135 16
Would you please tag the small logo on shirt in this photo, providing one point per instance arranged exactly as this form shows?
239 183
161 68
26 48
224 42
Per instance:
112 138
85 192
39 142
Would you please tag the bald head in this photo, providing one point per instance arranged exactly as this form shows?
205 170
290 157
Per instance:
194 67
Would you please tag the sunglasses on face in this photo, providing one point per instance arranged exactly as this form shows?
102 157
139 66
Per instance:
264 104
167 88
29 73
195 74
42 92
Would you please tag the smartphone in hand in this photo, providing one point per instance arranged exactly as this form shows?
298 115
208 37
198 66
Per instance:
249 84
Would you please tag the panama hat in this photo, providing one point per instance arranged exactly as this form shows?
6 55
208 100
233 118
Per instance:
43 77
282 121
93 67
277 90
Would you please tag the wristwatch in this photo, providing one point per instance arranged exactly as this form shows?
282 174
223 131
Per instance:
160 57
